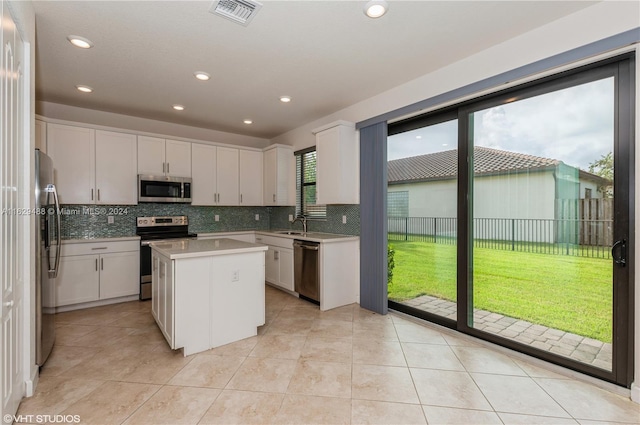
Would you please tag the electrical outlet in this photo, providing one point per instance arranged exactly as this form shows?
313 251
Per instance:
257 217
110 219
344 219
290 217
216 217
235 277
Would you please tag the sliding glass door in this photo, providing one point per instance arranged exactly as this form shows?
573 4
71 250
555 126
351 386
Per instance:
422 217
515 227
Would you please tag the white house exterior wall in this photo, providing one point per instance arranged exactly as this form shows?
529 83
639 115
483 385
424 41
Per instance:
529 196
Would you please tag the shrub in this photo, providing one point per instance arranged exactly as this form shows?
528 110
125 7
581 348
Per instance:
390 263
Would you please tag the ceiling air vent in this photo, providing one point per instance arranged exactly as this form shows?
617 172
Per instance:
240 11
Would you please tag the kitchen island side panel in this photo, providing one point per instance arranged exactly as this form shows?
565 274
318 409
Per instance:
192 282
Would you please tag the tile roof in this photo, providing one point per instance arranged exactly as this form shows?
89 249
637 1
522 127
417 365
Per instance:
443 165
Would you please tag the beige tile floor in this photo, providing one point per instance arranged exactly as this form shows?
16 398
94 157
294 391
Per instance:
111 365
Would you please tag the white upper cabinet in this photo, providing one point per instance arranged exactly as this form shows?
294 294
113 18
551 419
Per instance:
227 169
41 136
93 167
277 173
203 174
72 150
250 178
151 156
164 157
178 158
337 172
215 175
116 168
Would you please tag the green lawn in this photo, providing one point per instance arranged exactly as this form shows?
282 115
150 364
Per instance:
573 294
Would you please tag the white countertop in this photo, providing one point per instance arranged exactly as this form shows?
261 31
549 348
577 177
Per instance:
311 236
204 248
92 240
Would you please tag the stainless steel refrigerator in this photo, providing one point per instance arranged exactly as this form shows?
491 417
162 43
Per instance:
48 254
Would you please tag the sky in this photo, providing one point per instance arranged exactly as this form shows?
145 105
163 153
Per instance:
573 125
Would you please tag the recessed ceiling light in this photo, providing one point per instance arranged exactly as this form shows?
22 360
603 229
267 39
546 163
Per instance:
376 8
84 89
418 137
285 99
247 122
178 107
81 42
202 76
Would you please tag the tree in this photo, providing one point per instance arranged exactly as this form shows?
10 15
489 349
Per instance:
603 167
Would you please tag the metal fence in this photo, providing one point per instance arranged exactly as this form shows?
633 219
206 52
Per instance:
545 236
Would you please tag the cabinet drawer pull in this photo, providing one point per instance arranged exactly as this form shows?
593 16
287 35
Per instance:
95 249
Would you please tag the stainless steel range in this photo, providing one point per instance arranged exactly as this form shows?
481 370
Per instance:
155 229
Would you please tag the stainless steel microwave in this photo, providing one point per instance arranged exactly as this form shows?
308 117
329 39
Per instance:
164 189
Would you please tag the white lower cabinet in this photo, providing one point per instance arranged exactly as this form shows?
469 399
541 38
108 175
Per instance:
204 302
278 262
78 280
162 304
97 271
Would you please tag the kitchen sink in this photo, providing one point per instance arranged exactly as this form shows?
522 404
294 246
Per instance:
290 232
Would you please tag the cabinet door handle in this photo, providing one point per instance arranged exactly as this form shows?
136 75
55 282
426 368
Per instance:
241 198
164 167
276 255
98 194
102 264
274 197
92 194
168 168
96 264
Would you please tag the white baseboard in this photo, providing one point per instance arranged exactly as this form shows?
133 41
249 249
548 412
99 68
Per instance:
97 303
635 392
31 384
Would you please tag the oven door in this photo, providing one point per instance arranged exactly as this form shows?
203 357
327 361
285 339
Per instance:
145 272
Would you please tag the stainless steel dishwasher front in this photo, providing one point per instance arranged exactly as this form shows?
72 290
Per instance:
305 269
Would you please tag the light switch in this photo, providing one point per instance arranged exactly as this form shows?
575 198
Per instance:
110 219
344 219
290 217
216 217
235 276
257 217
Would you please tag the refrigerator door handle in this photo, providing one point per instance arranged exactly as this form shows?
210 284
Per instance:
53 273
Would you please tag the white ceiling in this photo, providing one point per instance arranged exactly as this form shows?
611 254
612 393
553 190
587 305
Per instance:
325 55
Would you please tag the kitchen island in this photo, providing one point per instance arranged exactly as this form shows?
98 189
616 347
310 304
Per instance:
207 293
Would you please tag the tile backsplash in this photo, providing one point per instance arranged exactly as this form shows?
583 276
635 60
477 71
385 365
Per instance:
91 221
333 223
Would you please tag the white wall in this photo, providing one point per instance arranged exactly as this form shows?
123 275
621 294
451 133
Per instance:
110 119
529 196
589 25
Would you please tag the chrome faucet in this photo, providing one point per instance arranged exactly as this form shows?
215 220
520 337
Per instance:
302 220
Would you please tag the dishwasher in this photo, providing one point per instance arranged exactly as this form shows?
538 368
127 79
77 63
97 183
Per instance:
306 274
